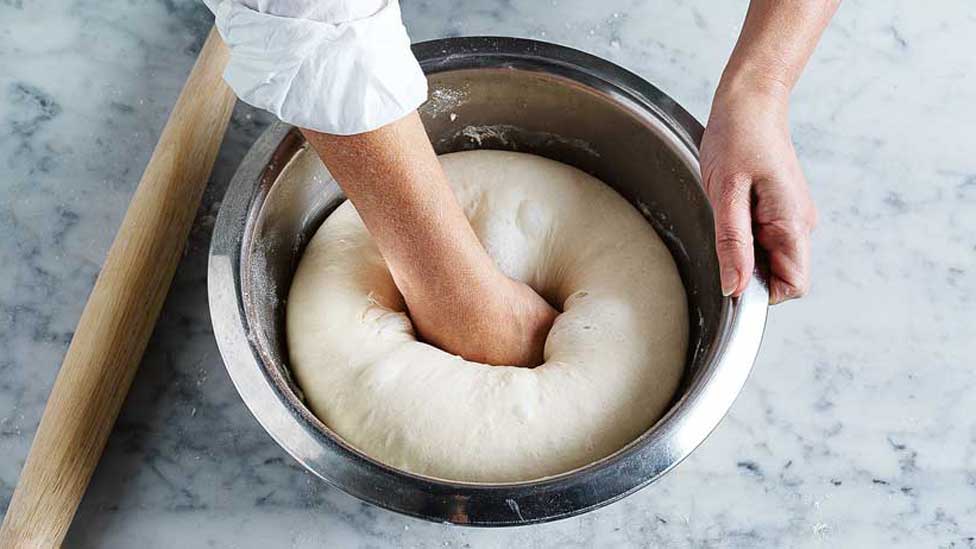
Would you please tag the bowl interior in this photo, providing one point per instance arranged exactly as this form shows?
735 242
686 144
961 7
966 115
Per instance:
509 109
501 93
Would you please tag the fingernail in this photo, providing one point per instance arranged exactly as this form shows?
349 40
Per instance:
730 281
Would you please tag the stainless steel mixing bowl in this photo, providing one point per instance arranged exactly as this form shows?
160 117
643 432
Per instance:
499 93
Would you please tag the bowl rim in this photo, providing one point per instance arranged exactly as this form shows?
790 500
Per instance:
646 459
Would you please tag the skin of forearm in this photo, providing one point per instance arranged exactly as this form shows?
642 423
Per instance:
776 41
399 189
457 297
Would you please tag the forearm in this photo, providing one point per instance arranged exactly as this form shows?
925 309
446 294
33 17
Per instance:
398 187
776 41
457 297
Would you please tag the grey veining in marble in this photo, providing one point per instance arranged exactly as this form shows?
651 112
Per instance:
857 428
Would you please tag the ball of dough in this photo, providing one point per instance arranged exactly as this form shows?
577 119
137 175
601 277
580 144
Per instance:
613 358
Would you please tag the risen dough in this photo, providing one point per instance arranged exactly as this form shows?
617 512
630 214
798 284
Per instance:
613 358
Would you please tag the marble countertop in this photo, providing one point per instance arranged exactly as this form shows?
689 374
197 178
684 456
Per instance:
856 429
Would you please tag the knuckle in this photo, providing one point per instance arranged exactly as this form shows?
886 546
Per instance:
791 228
732 238
800 289
725 188
795 284
794 292
733 189
798 227
813 217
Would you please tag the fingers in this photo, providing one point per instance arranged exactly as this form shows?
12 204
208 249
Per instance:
733 233
788 246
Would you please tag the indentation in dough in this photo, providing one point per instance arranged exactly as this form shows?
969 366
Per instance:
614 355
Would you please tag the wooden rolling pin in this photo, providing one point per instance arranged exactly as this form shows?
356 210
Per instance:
123 307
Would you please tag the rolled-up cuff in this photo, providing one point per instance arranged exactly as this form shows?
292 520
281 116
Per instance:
342 79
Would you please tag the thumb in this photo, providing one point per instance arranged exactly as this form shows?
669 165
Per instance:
733 233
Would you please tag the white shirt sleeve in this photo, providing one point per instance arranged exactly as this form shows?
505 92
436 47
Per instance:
336 66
